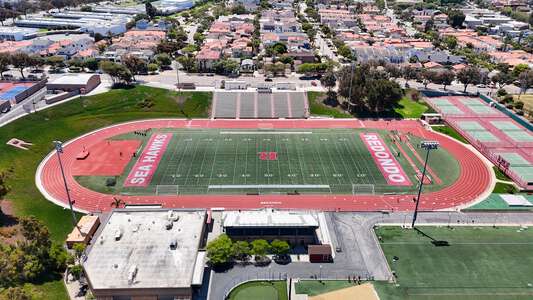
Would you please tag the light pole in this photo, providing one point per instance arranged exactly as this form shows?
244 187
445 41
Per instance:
178 75
59 150
428 145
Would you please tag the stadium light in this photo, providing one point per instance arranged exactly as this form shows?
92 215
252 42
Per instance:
428 145
59 150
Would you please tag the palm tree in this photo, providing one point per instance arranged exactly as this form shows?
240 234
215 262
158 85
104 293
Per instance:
117 203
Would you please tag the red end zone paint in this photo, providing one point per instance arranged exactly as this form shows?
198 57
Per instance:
142 172
387 164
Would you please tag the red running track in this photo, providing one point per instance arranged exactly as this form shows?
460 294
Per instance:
473 180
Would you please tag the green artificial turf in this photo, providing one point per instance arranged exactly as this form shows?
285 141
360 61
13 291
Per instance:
478 263
324 160
315 287
260 290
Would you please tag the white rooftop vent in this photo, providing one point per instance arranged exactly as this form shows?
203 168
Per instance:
118 234
131 274
172 216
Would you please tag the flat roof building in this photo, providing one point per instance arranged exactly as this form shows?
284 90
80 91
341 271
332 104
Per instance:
147 254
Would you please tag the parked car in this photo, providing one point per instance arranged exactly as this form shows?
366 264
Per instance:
9 76
313 83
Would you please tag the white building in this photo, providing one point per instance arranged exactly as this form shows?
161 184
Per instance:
8 33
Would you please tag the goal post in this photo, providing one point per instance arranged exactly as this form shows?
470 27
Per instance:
363 189
166 190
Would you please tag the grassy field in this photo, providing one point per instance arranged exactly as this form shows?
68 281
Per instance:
317 108
260 290
500 175
408 108
504 188
69 120
527 99
315 287
447 130
479 263
323 160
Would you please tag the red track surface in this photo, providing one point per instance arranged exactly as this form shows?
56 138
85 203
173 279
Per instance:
473 180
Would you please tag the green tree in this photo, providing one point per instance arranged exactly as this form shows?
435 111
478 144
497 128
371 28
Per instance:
526 81
151 11
518 69
20 60
188 63
502 79
260 247
279 247
76 271
163 60
5 61
79 250
135 65
409 73
450 42
445 78
220 250
15 293
117 72
91 64
241 250
456 18
383 95
4 189
469 75
152 68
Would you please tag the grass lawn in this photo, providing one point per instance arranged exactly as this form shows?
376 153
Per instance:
500 175
260 290
317 108
69 120
504 188
479 263
447 130
408 108
527 99
315 287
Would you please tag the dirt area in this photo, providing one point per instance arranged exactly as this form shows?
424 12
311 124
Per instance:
361 292
9 228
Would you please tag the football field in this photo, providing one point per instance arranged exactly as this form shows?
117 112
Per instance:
319 161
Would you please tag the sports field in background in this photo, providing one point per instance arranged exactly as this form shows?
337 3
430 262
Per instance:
321 161
478 263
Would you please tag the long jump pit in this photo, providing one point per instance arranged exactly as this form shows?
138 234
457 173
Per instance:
324 164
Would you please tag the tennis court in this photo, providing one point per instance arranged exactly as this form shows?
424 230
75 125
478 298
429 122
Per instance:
313 161
489 130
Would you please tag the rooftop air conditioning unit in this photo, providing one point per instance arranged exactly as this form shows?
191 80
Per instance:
168 225
173 244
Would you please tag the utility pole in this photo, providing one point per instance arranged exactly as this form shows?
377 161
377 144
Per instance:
59 150
428 145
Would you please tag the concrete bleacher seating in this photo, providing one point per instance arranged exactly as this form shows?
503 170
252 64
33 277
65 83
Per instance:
249 105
